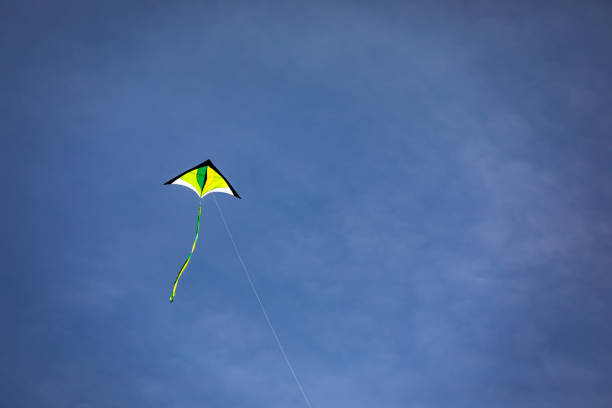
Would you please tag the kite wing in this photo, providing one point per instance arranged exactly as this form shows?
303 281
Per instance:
203 179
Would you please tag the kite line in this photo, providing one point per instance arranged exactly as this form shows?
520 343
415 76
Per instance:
261 306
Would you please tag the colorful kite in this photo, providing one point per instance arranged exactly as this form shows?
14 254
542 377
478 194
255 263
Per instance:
204 179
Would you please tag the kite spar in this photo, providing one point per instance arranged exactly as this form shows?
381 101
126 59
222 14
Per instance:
203 179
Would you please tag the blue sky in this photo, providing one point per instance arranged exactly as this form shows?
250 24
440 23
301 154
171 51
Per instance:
426 203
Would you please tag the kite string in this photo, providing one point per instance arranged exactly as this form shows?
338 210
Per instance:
261 306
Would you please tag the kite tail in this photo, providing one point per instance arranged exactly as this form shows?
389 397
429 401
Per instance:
189 257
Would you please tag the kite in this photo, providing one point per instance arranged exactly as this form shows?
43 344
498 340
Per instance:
204 179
